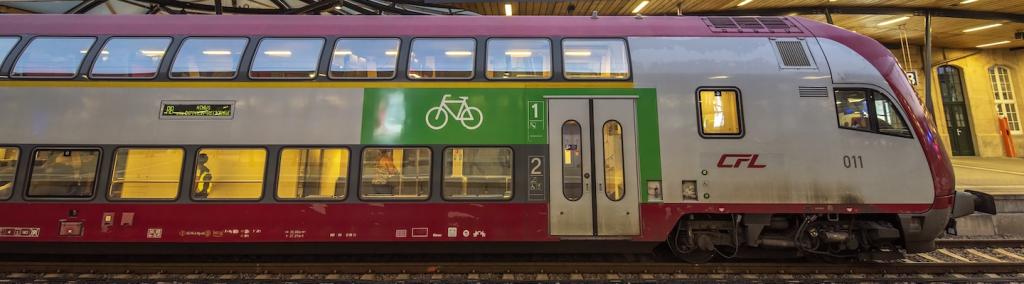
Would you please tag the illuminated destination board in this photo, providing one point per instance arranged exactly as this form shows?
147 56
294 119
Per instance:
197 109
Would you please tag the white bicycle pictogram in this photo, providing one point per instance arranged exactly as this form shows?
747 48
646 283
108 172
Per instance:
470 117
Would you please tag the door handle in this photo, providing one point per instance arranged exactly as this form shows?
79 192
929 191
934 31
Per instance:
959 132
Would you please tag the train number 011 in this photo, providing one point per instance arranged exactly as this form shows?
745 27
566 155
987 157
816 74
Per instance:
853 161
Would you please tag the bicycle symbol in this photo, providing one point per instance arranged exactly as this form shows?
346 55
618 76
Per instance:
470 117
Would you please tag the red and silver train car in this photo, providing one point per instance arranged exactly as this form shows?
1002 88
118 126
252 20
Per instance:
300 134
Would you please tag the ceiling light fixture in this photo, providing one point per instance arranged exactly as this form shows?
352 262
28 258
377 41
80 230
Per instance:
508 9
893 21
640 6
974 29
281 53
518 53
580 53
458 53
994 43
745 2
968 1
216 52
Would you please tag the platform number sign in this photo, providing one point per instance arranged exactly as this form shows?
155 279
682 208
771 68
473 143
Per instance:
536 121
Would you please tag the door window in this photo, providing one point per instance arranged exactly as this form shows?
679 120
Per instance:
572 161
613 164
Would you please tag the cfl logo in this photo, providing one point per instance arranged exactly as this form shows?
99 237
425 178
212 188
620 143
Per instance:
737 161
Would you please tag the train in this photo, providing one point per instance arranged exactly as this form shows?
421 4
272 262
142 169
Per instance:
699 136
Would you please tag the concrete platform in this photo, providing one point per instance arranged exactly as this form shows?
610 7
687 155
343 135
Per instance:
996 176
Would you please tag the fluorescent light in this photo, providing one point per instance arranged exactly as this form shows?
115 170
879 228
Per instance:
519 53
994 43
337 7
974 29
719 77
508 9
968 1
893 21
84 51
458 53
217 52
343 52
281 53
153 53
391 52
745 2
640 6
580 53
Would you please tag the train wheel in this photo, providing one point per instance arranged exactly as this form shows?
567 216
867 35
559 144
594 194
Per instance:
687 250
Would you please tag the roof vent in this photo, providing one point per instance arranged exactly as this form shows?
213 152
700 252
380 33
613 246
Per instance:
813 92
793 54
750 25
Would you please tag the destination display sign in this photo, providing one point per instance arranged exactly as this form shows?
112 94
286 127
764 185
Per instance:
197 109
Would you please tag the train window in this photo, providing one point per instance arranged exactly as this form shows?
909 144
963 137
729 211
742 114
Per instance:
364 58
448 58
518 59
6 45
287 58
129 58
720 112
852 109
229 174
8 169
146 173
313 173
63 173
52 57
572 161
395 173
208 58
595 59
889 119
475 173
614 165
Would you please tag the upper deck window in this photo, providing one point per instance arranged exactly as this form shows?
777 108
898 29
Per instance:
128 58
287 58
6 44
208 58
365 58
595 59
447 58
518 59
52 57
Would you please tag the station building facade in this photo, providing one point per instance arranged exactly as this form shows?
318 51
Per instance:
971 90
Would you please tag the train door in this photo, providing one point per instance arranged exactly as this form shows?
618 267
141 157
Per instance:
593 171
951 86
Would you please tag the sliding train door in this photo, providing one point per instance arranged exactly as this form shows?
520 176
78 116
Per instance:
594 167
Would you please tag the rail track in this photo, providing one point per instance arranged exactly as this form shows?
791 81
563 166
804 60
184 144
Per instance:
954 261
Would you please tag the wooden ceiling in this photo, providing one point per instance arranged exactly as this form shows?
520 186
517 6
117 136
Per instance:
948 32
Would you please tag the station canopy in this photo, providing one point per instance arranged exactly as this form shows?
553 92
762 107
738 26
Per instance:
955 23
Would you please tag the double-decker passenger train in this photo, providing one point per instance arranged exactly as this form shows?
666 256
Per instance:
729 136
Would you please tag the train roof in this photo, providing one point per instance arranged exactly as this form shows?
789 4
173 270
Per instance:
315 25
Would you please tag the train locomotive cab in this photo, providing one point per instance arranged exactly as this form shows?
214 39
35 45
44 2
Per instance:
710 136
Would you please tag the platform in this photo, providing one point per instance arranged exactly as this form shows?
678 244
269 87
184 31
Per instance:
996 176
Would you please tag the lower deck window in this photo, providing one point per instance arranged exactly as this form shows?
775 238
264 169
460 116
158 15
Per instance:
313 173
478 173
395 173
229 174
8 168
146 173
63 173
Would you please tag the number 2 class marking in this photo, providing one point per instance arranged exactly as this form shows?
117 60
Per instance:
535 166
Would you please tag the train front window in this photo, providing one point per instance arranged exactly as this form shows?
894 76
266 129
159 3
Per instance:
52 57
889 119
63 173
450 58
364 58
208 58
287 58
6 45
395 173
313 174
146 173
474 173
130 58
8 170
510 59
719 112
229 173
595 59
852 109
